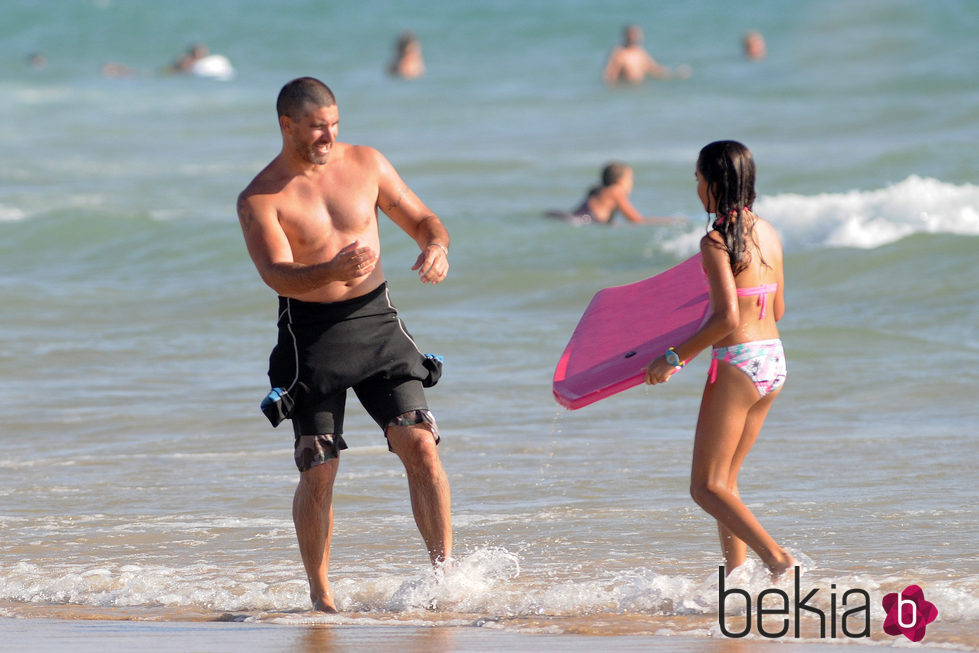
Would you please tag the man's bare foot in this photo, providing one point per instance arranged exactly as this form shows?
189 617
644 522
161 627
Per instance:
444 566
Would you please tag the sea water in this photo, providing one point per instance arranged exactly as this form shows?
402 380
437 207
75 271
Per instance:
138 475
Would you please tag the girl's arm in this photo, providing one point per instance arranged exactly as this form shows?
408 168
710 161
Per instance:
623 204
779 304
632 214
725 314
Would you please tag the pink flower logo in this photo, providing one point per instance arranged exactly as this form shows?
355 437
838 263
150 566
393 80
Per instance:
908 613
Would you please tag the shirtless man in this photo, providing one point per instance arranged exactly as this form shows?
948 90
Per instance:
630 62
310 224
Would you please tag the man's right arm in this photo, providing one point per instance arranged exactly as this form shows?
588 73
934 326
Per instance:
613 67
271 252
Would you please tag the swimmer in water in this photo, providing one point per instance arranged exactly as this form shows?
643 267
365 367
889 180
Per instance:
631 63
608 198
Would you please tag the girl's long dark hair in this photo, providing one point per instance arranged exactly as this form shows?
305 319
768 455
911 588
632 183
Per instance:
729 170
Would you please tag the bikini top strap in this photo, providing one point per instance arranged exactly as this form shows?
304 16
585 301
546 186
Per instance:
762 292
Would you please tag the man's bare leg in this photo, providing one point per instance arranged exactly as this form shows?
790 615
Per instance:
428 487
312 512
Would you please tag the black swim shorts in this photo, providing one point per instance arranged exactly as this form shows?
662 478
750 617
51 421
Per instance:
325 348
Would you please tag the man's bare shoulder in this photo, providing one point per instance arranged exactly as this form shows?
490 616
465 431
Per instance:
618 55
259 196
362 163
359 155
269 181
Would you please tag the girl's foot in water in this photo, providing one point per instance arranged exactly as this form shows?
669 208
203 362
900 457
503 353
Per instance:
324 603
783 567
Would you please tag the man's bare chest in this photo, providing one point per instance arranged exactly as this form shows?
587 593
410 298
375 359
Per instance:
346 207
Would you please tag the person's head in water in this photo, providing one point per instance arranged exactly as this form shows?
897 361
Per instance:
632 36
726 187
754 45
615 172
407 42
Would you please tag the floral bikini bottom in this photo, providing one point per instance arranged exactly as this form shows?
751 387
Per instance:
762 360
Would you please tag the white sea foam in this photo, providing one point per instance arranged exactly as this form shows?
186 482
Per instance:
863 218
488 583
868 219
11 213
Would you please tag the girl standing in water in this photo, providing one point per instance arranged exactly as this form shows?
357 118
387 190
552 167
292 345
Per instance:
742 258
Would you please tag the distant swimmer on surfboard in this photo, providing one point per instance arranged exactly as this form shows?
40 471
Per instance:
602 202
199 62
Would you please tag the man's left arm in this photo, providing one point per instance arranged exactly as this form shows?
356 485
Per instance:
418 221
654 69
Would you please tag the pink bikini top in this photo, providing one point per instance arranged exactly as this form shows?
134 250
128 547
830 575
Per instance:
762 292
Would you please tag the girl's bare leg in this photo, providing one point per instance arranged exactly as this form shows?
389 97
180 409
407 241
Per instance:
733 547
731 416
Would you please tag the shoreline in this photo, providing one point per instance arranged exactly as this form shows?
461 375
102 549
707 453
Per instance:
84 629
102 636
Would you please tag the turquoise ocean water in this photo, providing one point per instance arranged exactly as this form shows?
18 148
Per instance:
139 480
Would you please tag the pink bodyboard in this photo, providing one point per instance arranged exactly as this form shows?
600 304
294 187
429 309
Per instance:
625 327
